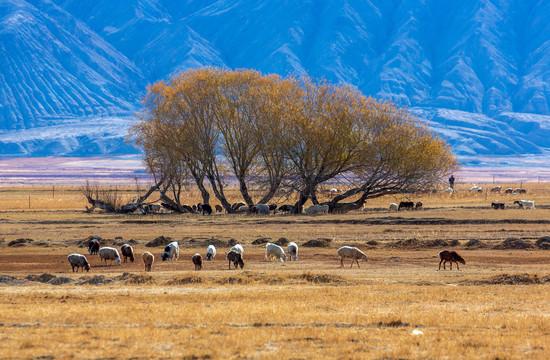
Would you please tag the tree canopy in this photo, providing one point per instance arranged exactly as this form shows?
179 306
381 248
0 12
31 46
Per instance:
286 135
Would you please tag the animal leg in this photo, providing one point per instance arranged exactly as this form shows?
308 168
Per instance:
440 265
451 264
341 262
357 261
457 266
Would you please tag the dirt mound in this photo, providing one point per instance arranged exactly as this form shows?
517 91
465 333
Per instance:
94 280
543 243
475 244
514 243
159 241
20 242
134 279
441 243
205 242
406 244
392 323
61 280
282 241
260 241
373 243
321 242
49 279
232 242
184 280
10 280
506 279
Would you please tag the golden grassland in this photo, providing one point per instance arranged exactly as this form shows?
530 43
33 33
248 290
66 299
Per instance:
496 306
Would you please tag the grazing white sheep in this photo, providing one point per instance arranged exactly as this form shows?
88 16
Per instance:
77 260
293 250
476 188
242 209
393 207
352 253
334 191
525 204
171 252
508 191
262 209
238 248
109 253
210 252
496 189
317 209
148 260
274 251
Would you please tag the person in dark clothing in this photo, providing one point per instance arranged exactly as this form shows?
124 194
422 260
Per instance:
452 182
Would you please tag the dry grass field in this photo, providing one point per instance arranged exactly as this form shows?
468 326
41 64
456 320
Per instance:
495 306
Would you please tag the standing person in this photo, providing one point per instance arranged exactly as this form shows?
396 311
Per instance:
452 182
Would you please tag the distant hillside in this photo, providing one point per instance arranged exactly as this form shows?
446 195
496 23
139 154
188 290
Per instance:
477 71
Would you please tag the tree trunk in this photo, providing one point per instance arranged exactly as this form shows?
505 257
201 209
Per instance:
244 192
218 192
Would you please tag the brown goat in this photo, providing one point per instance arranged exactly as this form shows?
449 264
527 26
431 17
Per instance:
450 256
148 260
197 260
127 252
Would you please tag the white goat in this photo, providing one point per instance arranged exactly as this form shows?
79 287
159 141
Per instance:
293 250
352 253
476 188
393 207
274 251
210 252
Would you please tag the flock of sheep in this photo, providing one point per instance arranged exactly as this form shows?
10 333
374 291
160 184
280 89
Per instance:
235 255
171 253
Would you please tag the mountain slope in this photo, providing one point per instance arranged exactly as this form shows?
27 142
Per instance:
477 71
54 67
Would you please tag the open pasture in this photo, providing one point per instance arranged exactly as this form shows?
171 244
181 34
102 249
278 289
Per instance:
496 306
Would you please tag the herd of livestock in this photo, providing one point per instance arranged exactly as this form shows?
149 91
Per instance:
235 255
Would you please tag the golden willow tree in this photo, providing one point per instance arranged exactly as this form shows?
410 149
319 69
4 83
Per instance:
212 125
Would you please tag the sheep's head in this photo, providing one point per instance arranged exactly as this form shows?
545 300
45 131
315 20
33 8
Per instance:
118 260
164 256
87 267
283 258
364 257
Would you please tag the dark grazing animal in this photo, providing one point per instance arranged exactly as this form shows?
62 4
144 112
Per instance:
219 208
204 209
273 208
236 258
197 260
286 208
450 256
93 247
497 205
127 251
408 205
418 205
187 208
